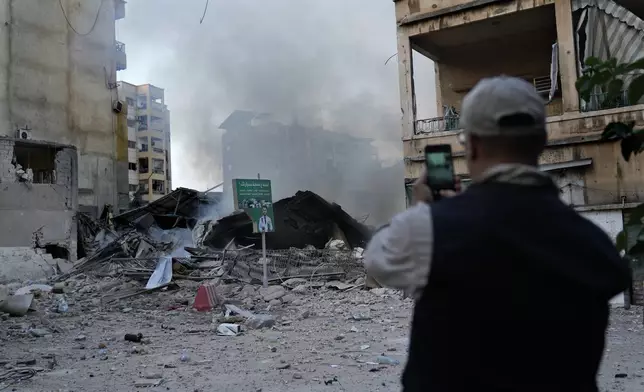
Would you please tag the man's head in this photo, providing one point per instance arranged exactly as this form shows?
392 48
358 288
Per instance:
264 211
504 121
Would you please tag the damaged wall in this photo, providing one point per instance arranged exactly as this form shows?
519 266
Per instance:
60 84
37 210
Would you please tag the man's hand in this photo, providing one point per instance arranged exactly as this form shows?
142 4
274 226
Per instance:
421 193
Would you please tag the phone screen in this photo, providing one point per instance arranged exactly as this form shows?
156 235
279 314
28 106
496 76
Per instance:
440 170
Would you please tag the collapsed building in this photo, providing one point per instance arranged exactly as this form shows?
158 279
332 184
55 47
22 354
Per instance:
179 236
38 205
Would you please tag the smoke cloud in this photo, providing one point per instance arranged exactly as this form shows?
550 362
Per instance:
319 62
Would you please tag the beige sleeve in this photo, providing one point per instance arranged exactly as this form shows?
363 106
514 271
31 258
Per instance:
399 255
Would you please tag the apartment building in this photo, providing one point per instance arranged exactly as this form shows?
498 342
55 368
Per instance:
60 59
148 129
546 43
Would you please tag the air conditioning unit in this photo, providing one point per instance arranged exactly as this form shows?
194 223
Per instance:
117 106
24 134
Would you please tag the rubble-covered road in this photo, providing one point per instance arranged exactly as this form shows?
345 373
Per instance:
323 340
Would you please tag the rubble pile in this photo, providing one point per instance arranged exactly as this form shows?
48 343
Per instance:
167 245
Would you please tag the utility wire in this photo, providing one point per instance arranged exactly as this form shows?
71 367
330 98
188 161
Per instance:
391 57
204 12
98 12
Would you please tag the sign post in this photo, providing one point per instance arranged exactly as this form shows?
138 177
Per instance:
255 198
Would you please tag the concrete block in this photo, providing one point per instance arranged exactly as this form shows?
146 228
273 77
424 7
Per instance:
21 264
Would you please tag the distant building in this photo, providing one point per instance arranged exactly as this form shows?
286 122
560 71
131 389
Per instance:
148 129
338 166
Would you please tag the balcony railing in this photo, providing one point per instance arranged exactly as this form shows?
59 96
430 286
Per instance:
436 124
120 56
600 101
157 106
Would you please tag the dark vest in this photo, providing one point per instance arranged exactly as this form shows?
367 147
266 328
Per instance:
517 296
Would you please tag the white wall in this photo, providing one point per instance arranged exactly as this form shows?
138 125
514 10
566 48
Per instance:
612 222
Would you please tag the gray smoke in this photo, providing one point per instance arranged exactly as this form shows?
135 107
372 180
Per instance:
319 62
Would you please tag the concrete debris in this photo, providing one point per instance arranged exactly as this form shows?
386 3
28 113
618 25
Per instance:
17 305
272 293
227 329
35 289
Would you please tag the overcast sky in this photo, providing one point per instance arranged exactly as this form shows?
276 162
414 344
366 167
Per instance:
320 60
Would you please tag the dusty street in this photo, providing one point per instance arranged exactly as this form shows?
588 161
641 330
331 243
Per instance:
324 340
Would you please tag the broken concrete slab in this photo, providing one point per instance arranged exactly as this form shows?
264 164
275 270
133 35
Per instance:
64 266
32 288
272 292
260 321
293 282
147 383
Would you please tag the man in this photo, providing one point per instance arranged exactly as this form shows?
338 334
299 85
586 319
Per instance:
265 222
512 286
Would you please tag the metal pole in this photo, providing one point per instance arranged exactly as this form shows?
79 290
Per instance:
264 262
265 266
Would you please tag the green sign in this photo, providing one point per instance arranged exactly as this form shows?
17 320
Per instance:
255 198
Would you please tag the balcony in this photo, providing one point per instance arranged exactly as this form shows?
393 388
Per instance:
119 9
436 124
120 56
599 101
157 106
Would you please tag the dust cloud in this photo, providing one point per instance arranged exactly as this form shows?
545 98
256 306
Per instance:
317 63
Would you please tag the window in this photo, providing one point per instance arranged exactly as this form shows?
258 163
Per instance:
37 161
131 123
143 122
157 165
142 101
143 165
130 101
143 144
157 144
144 186
131 166
134 187
158 186
131 144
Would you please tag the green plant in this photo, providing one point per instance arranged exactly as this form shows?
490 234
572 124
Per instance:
604 81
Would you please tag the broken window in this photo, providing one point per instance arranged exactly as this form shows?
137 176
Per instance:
35 163
157 165
143 122
143 165
143 144
57 252
157 144
158 186
131 166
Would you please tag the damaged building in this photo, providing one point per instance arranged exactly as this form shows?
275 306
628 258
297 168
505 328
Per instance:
38 204
545 42
336 165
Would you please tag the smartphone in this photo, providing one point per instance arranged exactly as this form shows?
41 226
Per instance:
440 168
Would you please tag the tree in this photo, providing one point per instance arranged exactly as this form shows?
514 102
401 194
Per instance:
604 81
